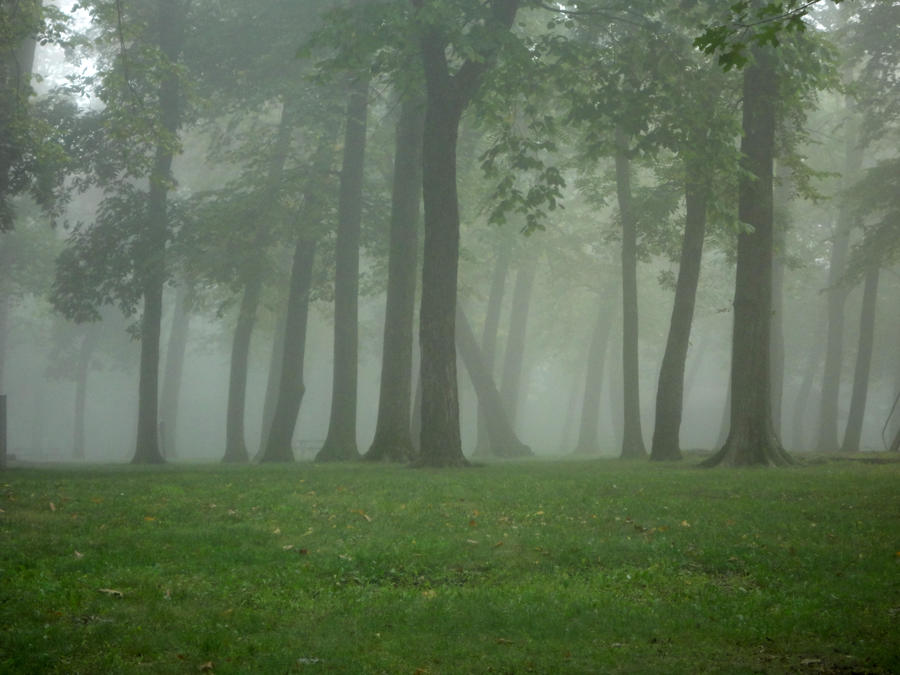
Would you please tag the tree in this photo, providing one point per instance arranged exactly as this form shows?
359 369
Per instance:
588 441
340 443
853 431
449 89
172 375
514 354
752 438
392 431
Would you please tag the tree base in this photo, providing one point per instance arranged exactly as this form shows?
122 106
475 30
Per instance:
333 452
280 455
391 450
424 462
633 449
741 450
236 454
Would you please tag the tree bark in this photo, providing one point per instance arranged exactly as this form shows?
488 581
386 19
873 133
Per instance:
446 97
489 332
276 357
514 354
172 375
88 344
340 441
392 430
752 438
235 443
666 444
291 388
503 439
153 272
781 204
589 427
801 400
853 432
632 439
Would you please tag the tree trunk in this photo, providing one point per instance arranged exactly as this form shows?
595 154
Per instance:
489 333
88 344
853 432
291 388
513 356
801 400
235 443
632 439
836 294
392 430
589 428
752 438
153 264
276 357
340 441
670 392
503 439
781 205
172 376
4 305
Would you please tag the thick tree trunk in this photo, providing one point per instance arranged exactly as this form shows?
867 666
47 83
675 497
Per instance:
781 205
489 333
235 443
291 389
752 439
670 392
392 430
340 441
172 376
503 439
853 432
514 354
589 427
153 270
632 439
88 344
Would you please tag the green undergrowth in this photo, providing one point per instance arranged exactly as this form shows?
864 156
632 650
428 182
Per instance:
582 567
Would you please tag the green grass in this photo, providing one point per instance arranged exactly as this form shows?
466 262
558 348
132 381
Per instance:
602 566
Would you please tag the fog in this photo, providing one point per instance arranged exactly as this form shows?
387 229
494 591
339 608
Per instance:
263 163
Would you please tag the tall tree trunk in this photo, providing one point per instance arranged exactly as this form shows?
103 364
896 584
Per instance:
235 443
514 354
291 388
670 392
340 441
853 432
172 376
153 272
589 427
836 294
752 438
503 251
4 304
781 220
88 344
392 430
632 439
503 439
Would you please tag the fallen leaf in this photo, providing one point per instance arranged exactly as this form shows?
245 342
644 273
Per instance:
79 555
149 519
112 592
472 523
287 547
503 641
277 530
429 593
498 544
205 667
810 662
364 515
52 506
472 541
303 551
685 523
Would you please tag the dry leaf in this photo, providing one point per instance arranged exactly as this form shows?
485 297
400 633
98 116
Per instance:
363 514
52 506
685 523
149 519
78 555
503 641
277 530
205 667
112 592
498 544
287 547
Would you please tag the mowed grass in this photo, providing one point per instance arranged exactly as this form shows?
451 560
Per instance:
567 567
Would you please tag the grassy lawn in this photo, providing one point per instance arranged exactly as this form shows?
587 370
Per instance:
595 566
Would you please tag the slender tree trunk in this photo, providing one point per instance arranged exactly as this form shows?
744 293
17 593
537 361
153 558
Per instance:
4 304
632 440
291 388
392 430
88 344
853 432
836 294
781 205
153 264
340 442
589 427
503 439
172 375
514 355
670 392
801 400
752 438
489 333
235 444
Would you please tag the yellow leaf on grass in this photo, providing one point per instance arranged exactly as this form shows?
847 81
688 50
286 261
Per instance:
52 506
112 592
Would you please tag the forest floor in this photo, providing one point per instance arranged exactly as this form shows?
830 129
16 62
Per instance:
550 567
